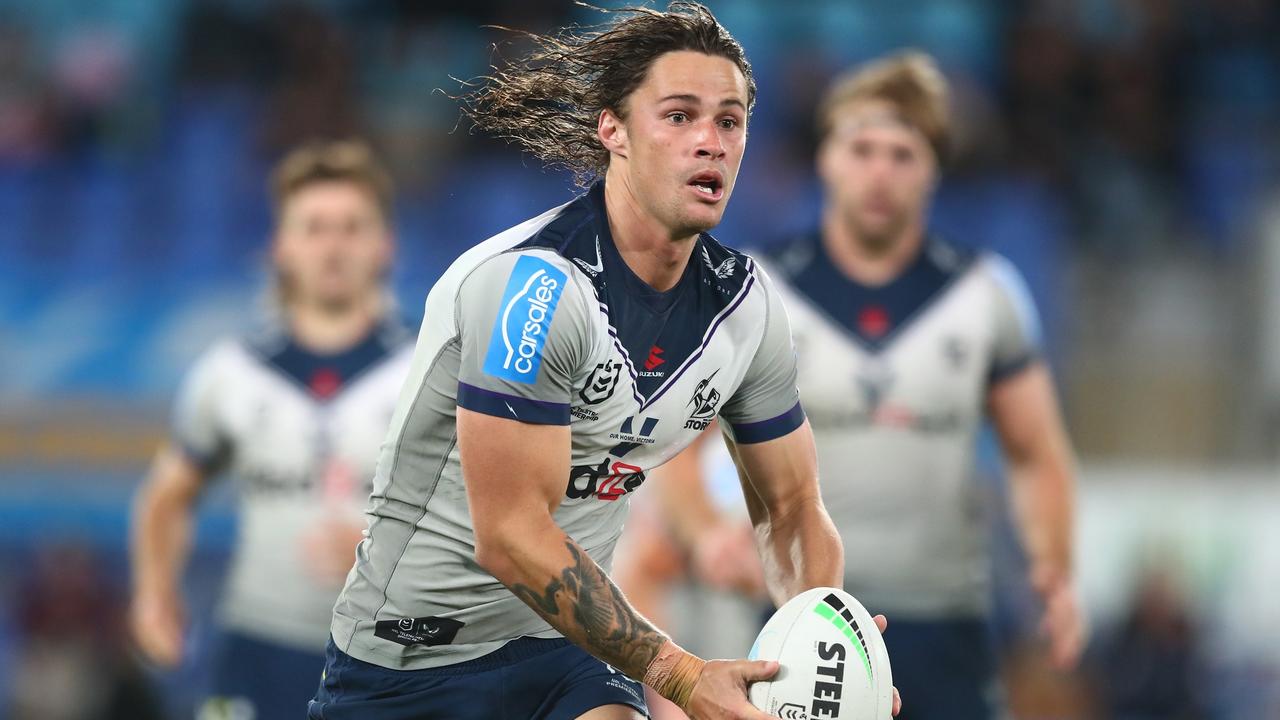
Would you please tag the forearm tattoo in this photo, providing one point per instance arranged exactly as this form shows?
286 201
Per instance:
585 605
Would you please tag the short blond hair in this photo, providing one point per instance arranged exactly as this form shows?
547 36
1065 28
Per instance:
910 81
351 161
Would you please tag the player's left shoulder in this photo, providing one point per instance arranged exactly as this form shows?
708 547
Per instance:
396 337
1003 277
949 259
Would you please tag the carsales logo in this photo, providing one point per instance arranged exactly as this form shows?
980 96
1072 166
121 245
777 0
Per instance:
524 317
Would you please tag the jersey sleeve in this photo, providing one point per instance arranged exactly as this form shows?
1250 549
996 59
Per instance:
1017 340
767 403
196 427
524 332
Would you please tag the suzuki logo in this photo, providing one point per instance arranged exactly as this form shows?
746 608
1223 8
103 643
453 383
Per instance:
654 360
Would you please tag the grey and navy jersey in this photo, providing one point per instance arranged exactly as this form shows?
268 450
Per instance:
299 433
546 324
894 380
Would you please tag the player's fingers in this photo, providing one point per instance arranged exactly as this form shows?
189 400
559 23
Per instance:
897 702
1067 646
1042 579
150 629
1063 628
169 640
160 646
1066 655
882 622
751 712
757 670
170 652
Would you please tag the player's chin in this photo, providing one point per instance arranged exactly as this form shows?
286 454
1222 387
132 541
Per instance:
335 299
701 217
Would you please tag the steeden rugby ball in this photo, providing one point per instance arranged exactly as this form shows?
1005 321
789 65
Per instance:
832 657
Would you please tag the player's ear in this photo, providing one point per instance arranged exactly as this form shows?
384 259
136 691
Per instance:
275 247
612 132
388 248
822 158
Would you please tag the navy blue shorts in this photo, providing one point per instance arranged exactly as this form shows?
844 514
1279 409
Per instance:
257 679
526 679
945 669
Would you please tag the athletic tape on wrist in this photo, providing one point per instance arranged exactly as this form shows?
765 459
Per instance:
674 673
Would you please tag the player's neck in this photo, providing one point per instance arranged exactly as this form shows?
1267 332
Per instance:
331 330
645 244
862 263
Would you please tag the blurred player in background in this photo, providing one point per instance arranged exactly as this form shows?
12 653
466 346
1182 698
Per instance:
295 412
560 361
673 536
700 540
904 343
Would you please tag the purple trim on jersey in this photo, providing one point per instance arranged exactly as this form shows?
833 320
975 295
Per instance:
706 337
626 357
512 407
764 430
208 462
1004 371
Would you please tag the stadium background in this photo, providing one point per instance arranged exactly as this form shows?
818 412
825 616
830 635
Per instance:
1125 154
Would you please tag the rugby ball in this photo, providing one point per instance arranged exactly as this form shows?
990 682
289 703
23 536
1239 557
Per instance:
832 657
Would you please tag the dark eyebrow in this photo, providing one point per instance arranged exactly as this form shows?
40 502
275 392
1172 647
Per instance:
693 99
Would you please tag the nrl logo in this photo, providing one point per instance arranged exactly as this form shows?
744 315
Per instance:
724 269
601 383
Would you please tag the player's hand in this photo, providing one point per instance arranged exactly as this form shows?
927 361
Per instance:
882 622
1063 624
721 692
329 550
156 620
725 558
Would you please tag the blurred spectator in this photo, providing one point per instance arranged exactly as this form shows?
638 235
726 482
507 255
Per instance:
27 121
73 662
1151 666
92 71
312 96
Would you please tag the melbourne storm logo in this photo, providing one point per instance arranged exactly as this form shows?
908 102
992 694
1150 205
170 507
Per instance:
874 381
704 401
722 271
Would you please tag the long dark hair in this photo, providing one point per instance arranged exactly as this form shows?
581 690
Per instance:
549 101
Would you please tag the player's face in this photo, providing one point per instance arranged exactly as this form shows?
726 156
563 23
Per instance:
686 128
332 246
878 173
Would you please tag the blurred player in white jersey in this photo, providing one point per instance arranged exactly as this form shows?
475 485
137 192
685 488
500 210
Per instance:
905 343
701 542
295 411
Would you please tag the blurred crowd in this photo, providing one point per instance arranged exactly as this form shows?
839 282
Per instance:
1120 152
1148 123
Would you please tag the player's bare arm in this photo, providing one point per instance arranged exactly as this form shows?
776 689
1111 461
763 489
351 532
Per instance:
519 543
682 495
1025 412
798 542
161 539
722 548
